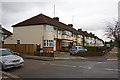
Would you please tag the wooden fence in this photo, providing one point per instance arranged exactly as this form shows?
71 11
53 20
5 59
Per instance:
22 48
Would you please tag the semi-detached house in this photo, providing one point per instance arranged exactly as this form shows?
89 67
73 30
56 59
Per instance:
50 33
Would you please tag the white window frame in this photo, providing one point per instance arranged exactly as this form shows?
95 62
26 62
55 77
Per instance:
48 43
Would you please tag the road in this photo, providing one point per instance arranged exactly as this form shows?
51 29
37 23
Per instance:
67 69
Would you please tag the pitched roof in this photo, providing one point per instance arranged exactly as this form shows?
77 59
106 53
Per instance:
81 32
43 19
5 32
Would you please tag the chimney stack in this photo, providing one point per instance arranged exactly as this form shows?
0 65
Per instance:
79 29
56 18
90 33
70 25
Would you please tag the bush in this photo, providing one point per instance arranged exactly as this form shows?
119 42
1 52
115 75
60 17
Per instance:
94 48
119 52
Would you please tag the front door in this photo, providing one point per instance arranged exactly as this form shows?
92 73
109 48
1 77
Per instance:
54 45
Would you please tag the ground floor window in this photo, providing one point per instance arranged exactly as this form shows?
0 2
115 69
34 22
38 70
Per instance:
48 43
65 44
78 44
87 44
18 41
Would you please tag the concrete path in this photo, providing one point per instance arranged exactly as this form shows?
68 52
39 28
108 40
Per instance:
112 55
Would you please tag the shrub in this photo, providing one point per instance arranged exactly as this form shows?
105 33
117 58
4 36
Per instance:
119 52
94 48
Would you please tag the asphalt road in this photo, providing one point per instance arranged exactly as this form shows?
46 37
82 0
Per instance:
67 69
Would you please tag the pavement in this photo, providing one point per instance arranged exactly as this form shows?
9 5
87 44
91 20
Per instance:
58 56
9 76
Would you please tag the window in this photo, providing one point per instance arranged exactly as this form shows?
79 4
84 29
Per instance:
81 48
55 30
67 33
48 28
18 41
65 44
78 44
79 36
48 43
58 31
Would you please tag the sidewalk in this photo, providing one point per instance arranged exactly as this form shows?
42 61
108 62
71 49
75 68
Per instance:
8 76
58 56
112 55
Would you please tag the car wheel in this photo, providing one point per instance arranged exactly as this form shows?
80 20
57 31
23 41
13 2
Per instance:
70 53
1 67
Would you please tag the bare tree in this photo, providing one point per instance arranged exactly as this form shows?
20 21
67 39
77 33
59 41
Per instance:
113 32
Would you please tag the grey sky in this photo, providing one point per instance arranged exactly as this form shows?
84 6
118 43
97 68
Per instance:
90 15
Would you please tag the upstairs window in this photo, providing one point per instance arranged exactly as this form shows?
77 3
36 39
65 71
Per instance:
67 33
48 28
79 36
59 32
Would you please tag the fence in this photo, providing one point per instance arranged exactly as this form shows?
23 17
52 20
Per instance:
22 48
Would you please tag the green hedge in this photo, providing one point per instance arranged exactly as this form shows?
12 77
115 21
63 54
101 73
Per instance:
119 52
94 48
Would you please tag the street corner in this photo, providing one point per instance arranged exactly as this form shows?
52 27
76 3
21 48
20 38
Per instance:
9 76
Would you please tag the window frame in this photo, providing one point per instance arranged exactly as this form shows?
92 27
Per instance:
48 43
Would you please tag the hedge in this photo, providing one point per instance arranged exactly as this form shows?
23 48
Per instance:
119 52
94 48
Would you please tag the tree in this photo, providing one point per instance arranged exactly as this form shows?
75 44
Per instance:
113 32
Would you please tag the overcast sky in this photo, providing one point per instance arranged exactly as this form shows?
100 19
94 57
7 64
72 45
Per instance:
90 15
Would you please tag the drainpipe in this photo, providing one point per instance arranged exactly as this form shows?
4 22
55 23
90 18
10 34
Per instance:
83 40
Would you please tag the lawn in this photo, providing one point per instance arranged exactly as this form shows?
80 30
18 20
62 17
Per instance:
119 52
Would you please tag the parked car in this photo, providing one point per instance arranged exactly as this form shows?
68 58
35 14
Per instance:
14 53
75 49
9 60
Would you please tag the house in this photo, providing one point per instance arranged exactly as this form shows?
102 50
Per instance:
45 31
4 34
49 33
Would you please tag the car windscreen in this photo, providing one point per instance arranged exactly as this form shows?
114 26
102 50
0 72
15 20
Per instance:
81 48
5 53
73 47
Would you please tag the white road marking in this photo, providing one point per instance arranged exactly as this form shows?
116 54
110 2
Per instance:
43 63
82 67
111 69
99 62
52 64
65 65
108 69
89 67
72 66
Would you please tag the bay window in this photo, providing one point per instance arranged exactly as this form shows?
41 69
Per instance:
65 44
